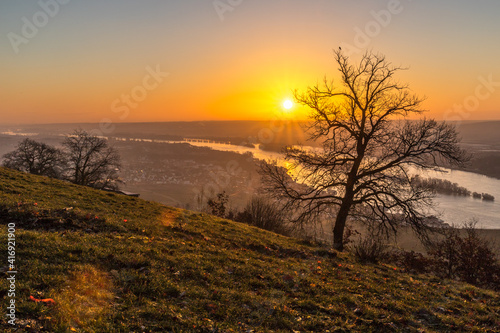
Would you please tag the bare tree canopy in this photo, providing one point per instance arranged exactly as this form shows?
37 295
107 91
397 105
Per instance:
36 158
91 161
368 145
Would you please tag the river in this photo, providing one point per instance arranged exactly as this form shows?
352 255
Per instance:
455 210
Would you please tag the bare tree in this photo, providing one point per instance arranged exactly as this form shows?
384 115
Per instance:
368 146
37 158
91 161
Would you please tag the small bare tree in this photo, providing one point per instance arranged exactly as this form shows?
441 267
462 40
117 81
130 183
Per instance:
368 146
36 158
91 161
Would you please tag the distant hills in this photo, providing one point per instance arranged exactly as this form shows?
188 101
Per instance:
486 132
482 132
482 138
287 132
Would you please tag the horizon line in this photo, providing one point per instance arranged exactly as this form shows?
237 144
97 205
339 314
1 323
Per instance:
210 121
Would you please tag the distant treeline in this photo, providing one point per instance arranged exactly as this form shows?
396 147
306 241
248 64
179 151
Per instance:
485 163
443 186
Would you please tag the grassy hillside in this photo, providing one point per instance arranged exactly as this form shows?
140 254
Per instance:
118 264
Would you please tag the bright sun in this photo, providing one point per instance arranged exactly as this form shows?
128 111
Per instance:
288 104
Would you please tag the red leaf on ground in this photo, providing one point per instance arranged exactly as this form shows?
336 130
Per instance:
48 301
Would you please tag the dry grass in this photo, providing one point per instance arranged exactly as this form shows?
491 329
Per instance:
144 267
85 300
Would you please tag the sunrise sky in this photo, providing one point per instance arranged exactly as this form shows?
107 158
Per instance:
151 60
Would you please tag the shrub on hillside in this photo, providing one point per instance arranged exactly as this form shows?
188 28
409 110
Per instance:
463 254
217 205
265 214
371 248
411 261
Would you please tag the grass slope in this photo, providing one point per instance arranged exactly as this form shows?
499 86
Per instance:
119 264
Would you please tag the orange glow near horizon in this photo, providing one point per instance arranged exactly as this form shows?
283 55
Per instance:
250 88
241 68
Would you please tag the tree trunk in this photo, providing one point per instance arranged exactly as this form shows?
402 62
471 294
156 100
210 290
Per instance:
345 207
340 221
